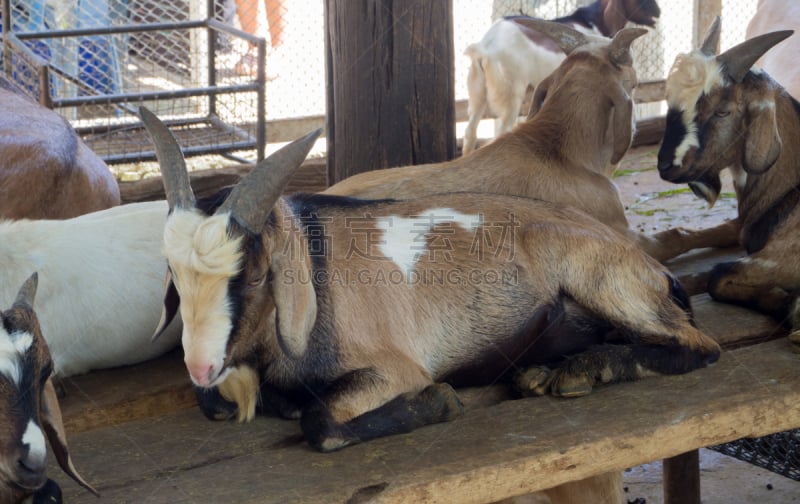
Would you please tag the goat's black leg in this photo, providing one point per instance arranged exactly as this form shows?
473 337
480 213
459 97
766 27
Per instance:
327 427
213 405
50 493
578 374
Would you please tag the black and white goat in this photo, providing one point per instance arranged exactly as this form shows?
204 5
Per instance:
358 315
514 55
29 410
726 114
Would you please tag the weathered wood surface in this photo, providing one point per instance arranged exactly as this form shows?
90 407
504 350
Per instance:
310 177
511 448
115 396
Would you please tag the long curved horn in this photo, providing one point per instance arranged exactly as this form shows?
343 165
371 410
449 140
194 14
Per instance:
738 60
251 201
710 46
170 160
620 48
568 39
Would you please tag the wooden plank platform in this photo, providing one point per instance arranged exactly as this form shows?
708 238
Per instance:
510 448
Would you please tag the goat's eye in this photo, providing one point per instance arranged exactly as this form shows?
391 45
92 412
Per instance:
722 113
259 281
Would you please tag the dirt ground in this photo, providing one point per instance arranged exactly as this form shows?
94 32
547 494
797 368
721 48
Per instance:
653 204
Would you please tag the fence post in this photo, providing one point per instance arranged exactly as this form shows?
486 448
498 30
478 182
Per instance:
390 84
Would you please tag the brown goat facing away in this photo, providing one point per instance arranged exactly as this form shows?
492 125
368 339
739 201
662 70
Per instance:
357 316
580 126
780 62
29 409
46 170
725 114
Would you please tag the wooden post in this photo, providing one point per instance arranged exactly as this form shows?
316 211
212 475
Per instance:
682 478
390 84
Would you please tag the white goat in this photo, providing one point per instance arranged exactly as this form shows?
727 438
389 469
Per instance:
513 56
29 410
101 283
780 62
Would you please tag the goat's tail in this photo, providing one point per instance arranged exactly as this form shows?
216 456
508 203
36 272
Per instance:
476 80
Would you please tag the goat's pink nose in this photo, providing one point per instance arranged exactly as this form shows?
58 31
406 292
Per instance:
200 372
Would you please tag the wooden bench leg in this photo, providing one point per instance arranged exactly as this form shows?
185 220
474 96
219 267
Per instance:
682 479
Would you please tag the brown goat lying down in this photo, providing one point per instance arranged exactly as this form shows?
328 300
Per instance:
29 410
580 126
46 171
726 114
357 315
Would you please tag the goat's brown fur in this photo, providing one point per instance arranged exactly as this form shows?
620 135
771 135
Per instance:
46 170
580 127
357 311
28 404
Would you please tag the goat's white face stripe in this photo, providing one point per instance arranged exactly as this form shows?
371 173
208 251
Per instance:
691 76
203 258
12 347
405 240
34 439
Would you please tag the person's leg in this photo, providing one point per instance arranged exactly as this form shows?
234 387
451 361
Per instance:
275 13
247 10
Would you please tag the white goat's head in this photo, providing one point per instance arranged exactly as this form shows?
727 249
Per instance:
721 114
222 264
29 410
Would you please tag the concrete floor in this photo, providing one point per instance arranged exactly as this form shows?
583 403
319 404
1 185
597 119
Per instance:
723 480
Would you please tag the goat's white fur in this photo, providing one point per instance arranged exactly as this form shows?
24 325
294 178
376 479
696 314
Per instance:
33 438
101 280
12 347
780 61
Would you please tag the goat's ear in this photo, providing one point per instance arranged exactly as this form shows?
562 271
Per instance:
621 123
171 303
295 298
763 143
539 95
54 428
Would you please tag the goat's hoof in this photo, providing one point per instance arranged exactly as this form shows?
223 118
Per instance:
332 444
794 339
534 381
571 385
445 397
